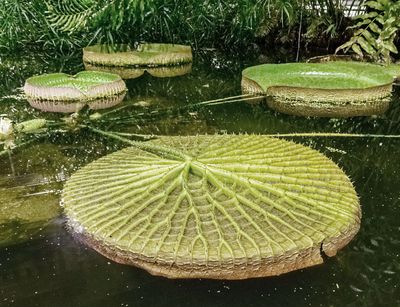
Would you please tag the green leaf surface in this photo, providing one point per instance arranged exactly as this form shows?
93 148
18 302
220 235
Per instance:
374 27
375 5
70 15
226 207
365 45
60 92
82 81
390 46
331 75
394 69
145 55
356 48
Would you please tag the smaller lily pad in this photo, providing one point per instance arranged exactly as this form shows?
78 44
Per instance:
136 72
61 92
332 89
132 62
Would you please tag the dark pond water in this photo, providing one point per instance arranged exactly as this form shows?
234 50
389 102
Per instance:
49 268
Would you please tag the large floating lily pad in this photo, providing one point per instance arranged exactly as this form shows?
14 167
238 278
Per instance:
60 92
337 89
157 59
393 68
227 207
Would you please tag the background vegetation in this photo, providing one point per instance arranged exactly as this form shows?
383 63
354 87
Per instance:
376 32
67 25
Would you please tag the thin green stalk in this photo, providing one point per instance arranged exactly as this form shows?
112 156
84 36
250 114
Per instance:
166 151
159 150
114 110
222 99
247 97
144 136
235 100
18 146
51 124
327 134
11 163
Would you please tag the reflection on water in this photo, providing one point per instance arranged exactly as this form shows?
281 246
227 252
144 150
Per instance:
70 107
52 269
136 72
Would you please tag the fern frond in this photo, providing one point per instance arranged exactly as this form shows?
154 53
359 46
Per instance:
68 16
376 31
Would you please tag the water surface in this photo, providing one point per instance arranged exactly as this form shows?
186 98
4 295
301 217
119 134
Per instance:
51 269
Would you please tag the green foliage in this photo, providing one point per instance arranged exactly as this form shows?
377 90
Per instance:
134 20
376 31
327 23
71 15
24 22
67 24
18 21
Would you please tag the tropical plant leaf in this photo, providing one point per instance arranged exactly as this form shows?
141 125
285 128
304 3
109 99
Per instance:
380 38
371 40
375 5
227 207
390 46
374 27
365 45
356 48
70 15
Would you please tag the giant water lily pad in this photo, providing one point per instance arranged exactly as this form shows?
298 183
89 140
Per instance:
223 207
336 89
392 68
61 92
157 59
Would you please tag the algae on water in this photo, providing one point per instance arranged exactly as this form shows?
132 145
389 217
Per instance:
23 215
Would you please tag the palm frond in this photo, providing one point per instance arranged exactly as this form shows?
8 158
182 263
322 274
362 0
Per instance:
68 16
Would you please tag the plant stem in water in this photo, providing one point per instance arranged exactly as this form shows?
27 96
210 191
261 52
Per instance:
327 134
159 150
